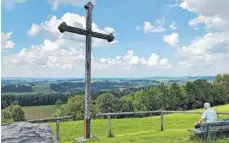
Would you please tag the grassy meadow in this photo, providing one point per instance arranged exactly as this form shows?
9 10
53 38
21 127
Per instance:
38 112
138 130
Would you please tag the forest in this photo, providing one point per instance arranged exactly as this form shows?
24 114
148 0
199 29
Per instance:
191 95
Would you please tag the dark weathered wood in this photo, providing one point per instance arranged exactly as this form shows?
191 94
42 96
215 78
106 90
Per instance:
157 111
210 128
50 119
57 130
87 117
162 121
109 127
89 34
208 132
44 120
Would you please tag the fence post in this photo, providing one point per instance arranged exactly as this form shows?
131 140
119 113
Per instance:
162 122
109 126
57 130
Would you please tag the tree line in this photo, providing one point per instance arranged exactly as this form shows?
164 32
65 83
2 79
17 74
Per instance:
16 88
32 100
191 95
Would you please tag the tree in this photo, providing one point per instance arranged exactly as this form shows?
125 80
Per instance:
177 97
58 103
17 113
107 102
74 106
3 104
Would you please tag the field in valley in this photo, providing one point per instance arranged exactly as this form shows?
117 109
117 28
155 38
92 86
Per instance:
138 130
38 112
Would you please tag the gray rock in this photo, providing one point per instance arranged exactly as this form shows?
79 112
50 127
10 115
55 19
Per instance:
24 132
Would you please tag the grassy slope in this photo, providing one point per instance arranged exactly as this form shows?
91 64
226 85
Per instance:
137 130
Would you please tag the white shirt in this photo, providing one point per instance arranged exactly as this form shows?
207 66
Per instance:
209 115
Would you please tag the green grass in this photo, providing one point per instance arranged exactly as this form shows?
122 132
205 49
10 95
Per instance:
38 112
138 130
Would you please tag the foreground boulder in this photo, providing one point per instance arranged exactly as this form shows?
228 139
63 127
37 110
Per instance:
24 132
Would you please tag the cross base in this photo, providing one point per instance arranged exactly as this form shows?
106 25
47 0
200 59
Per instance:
81 139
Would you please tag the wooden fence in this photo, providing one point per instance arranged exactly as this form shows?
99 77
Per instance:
57 120
161 113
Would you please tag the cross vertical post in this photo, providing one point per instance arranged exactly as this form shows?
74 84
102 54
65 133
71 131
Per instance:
89 34
87 118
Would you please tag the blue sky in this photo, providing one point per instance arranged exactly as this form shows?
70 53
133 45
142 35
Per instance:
153 38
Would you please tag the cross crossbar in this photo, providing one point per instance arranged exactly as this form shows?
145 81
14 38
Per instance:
65 28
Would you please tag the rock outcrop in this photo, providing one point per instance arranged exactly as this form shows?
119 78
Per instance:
24 132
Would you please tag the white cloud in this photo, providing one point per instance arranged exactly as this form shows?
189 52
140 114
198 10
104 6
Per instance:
34 30
155 61
155 28
143 61
209 15
172 39
11 3
148 27
46 55
212 49
129 60
56 3
173 26
7 43
51 26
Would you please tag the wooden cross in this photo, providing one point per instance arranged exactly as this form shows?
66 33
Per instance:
89 34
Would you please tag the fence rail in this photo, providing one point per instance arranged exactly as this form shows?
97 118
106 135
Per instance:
161 114
150 112
57 120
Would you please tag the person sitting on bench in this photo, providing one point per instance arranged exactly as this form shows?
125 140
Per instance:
209 115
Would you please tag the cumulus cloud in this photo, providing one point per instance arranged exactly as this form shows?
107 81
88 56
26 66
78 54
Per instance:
129 60
34 30
7 43
212 49
46 55
172 39
51 27
209 15
150 27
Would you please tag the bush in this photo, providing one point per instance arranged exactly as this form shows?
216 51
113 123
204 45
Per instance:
6 116
17 113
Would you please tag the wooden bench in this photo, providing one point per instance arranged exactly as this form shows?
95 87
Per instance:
206 129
